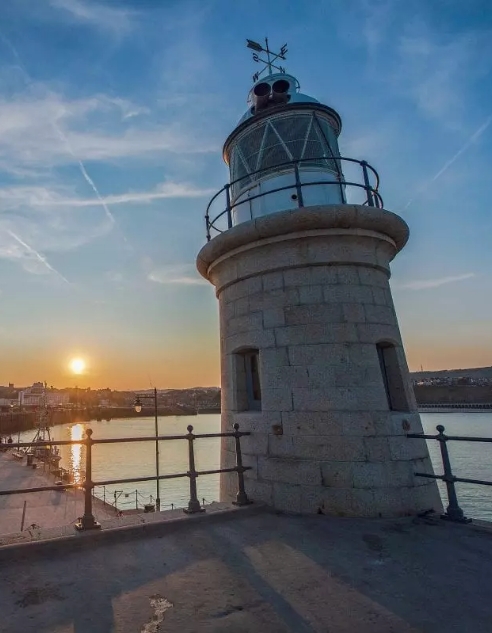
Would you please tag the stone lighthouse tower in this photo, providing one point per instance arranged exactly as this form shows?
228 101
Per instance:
312 361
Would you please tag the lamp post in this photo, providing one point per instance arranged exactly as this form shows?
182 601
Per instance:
11 417
138 407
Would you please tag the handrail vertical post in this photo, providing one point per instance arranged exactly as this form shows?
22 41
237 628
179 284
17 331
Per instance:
87 521
300 200
340 180
193 504
453 512
241 497
228 208
367 185
157 473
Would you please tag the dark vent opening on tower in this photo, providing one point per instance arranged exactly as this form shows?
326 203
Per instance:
248 382
392 377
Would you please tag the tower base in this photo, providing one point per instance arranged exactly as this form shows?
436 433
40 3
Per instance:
307 294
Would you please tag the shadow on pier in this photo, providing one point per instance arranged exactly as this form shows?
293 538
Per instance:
255 572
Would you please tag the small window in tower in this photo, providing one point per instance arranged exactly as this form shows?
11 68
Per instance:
392 377
248 384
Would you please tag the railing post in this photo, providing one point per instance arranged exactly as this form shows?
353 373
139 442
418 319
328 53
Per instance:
454 512
367 185
300 199
241 497
228 207
193 504
88 522
340 180
157 473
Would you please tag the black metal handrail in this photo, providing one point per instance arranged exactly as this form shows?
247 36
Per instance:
453 512
88 521
373 197
480 406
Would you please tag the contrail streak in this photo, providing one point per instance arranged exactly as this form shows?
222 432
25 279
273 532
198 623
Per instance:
473 138
109 215
84 173
37 255
63 137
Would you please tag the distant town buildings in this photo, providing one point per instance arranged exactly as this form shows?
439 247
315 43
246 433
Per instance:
37 395
198 399
451 381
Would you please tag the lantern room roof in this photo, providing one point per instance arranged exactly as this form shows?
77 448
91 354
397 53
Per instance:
295 95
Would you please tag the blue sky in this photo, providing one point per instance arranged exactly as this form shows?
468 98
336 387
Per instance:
112 119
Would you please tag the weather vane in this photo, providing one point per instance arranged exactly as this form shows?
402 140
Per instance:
271 57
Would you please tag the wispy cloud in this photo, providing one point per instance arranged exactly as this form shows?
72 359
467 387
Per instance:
423 284
28 211
433 67
29 256
62 136
37 196
473 139
41 132
114 276
377 17
436 69
28 138
184 274
100 15
165 190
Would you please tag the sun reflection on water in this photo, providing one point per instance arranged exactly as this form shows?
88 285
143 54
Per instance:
76 433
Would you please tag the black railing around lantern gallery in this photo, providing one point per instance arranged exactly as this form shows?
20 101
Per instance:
372 196
453 511
88 521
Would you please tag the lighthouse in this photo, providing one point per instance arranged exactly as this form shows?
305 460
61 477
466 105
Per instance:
299 247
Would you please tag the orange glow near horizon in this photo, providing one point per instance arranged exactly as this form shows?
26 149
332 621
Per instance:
190 365
118 368
442 357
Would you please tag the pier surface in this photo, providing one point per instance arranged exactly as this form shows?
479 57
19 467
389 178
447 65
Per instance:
43 509
254 572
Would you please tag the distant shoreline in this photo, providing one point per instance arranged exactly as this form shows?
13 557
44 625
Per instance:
452 408
27 420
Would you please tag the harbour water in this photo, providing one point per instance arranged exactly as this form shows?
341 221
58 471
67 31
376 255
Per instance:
137 459
117 461
468 459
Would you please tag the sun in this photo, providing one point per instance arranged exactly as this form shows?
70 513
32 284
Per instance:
77 365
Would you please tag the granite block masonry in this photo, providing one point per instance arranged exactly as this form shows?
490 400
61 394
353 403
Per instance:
305 294
312 362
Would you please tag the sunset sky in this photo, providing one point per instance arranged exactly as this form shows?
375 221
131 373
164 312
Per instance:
112 119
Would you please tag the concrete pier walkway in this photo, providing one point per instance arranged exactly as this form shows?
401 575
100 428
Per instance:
260 572
45 509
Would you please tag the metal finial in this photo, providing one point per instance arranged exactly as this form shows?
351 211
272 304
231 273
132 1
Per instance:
271 57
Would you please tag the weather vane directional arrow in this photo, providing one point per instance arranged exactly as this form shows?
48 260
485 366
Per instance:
271 57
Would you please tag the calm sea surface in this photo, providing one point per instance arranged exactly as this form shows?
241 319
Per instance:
118 461
137 459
